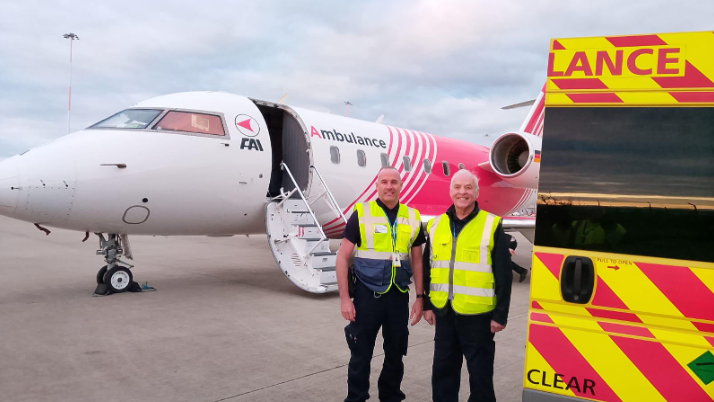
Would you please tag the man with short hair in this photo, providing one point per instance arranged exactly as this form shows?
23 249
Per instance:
468 278
388 239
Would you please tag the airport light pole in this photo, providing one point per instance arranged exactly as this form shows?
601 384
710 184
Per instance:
347 107
72 37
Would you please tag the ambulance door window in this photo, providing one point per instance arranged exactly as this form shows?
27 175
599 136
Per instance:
427 166
385 160
335 154
407 163
361 158
445 168
636 181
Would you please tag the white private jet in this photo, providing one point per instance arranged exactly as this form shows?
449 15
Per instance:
217 164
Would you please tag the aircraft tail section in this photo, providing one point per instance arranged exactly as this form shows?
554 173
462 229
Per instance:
533 124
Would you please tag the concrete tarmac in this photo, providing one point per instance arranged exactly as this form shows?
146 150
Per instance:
224 325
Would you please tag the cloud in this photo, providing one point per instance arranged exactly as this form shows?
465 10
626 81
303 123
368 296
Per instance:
444 67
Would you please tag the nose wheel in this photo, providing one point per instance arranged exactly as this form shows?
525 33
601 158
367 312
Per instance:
114 278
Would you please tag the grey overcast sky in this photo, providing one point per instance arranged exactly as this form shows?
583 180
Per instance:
444 67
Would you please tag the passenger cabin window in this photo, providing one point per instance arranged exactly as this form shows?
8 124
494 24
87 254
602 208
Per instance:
134 119
335 154
385 160
191 122
461 166
361 158
445 168
407 164
427 166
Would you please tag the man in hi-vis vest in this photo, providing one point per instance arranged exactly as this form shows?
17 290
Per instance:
468 278
386 234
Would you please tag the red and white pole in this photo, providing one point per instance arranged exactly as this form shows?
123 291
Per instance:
72 37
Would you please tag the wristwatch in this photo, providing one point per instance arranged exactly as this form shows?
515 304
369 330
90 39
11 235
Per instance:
421 296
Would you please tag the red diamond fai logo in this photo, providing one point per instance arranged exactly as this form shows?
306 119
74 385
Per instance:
247 125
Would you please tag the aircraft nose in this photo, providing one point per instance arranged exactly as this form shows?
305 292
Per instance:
9 187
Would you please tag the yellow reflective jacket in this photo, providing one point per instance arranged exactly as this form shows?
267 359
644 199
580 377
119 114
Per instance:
373 264
461 266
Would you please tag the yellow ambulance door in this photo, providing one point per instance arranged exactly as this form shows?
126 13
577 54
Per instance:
622 286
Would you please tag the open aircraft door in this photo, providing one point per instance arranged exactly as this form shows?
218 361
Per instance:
622 288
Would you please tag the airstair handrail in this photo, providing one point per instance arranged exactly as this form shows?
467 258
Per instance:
297 187
332 199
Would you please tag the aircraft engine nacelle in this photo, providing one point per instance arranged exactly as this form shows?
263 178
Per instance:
512 157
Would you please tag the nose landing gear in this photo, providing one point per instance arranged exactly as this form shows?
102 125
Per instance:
115 278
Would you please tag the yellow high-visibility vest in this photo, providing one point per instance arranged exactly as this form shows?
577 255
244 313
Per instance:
373 258
461 266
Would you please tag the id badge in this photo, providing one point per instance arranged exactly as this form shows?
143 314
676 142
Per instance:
380 229
396 262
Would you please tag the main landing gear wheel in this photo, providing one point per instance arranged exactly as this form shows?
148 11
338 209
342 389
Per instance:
118 279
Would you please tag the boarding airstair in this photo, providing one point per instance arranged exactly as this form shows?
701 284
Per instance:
296 238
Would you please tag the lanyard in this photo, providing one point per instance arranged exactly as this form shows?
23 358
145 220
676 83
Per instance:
453 228
393 226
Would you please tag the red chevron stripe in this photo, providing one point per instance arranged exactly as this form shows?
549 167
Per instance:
710 339
693 97
605 297
557 45
692 78
704 327
636 40
564 358
541 318
613 315
661 369
684 289
552 261
625 329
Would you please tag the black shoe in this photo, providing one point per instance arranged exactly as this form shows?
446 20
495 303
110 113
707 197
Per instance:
523 276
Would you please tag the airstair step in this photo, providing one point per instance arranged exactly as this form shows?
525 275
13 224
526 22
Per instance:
305 225
320 262
328 277
320 254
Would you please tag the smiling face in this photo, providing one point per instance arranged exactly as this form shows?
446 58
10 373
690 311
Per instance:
464 189
389 185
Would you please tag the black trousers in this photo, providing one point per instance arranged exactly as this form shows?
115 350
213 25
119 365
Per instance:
459 336
389 311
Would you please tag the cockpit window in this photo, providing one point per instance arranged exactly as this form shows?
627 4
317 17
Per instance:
137 119
191 122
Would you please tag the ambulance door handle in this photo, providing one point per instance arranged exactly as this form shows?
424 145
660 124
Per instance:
577 280
577 276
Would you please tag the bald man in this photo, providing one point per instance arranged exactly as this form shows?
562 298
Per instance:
388 238
468 281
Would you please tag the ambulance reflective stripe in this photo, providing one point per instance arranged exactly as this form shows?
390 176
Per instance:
633 338
461 268
378 246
